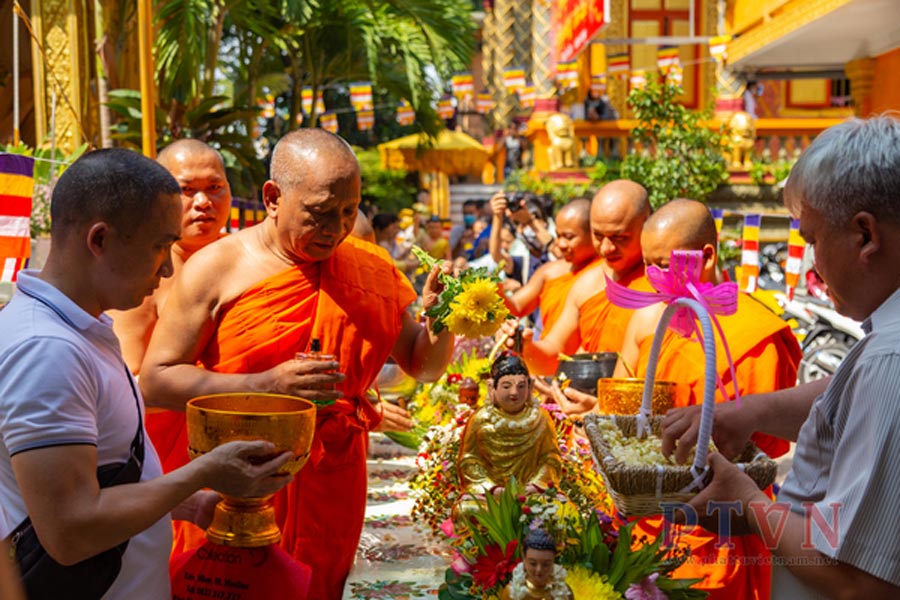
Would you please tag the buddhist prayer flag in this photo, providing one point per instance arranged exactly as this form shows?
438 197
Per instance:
718 216
718 46
638 80
445 108
306 101
365 120
567 74
527 96
484 103
794 266
618 64
328 121
750 253
361 95
268 107
666 56
16 190
513 78
463 84
405 113
598 84
675 75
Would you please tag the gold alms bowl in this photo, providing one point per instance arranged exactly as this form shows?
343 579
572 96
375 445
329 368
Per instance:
623 396
286 421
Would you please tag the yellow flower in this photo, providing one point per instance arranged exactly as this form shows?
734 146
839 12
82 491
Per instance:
587 585
479 295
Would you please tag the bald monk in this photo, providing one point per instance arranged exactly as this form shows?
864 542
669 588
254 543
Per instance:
548 287
618 212
241 311
766 355
205 204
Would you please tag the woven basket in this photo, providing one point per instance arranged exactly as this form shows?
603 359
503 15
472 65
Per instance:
641 490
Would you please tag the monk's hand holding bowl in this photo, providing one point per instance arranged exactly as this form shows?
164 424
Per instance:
732 428
313 380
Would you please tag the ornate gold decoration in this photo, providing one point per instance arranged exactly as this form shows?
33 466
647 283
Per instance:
286 421
563 145
741 137
623 396
541 49
617 88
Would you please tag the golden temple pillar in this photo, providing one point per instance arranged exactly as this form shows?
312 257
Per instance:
861 73
541 49
64 28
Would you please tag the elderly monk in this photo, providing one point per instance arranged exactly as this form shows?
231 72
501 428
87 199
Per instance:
548 287
243 309
205 204
765 354
618 212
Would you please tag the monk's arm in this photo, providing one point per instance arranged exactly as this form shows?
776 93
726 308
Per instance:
542 356
134 328
525 299
420 352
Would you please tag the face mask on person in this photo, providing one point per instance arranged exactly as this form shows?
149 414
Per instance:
469 220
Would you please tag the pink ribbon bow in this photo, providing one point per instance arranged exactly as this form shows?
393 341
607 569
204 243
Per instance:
682 280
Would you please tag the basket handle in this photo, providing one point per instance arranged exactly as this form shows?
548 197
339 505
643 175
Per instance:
709 382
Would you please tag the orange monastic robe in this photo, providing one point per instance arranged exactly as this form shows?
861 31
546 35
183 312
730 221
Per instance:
354 303
766 355
602 324
553 300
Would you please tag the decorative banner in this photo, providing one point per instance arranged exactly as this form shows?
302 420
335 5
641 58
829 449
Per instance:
750 253
268 107
598 84
675 75
527 96
576 23
306 101
718 216
361 95
328 121
16 190
405 113
445 108
484 103
567 74
463 84
718 46
638 80
245 213
618 64
513 79
666 56
793 267
365 120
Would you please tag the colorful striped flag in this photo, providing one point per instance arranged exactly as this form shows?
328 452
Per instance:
794 265
405 113
268 107
666 57
445 108
361 95
527 96
328 121
750 253
675 75
513 78
598 84
16 191
365 120
618 64
484 103
567 74
463 84
638 80
718 47
306 101
718 216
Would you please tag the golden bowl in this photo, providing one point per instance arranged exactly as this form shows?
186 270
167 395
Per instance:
623 396
286 421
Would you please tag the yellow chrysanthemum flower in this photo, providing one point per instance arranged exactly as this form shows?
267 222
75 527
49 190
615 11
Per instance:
479 295
587 585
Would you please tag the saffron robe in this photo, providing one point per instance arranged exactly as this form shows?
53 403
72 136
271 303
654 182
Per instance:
354 303
766 355
553 300
602 324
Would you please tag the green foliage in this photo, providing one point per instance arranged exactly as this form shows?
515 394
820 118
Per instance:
767 172
678 155
387 189
45 175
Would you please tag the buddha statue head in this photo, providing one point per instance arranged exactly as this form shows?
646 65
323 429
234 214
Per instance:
539 558
509 387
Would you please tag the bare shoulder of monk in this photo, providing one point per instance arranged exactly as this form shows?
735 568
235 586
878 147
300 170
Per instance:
590 283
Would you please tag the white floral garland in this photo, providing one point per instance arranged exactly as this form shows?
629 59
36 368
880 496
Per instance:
518 588
497 416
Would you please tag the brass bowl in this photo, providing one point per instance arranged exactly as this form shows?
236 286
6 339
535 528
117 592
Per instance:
286 421
623 396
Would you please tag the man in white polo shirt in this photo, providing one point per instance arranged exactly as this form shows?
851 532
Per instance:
67 401
833 531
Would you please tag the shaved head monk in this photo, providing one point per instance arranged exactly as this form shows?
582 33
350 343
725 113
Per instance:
765 354
205 205
242 310
548 287
618 212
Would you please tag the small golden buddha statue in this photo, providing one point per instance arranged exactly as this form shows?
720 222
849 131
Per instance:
510 436
538 577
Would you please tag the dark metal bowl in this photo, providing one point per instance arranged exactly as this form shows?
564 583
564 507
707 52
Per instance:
584 370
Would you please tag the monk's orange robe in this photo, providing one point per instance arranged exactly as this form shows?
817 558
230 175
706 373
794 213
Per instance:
553 300
354 303
766 355
602 324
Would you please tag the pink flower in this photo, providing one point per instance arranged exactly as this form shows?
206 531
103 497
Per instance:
460 565
447 528
645 590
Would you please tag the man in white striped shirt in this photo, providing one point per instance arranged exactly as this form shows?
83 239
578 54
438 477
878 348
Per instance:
832 531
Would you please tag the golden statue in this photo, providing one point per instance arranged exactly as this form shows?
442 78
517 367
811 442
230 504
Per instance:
538 577
561 131
741 138
510 436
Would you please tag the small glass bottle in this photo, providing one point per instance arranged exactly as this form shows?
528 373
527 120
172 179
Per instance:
315 352
468 392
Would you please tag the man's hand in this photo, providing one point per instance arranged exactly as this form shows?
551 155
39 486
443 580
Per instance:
198 508
433 286
509 327
728 484
498 204
732 428
572 402
245 469
311 379
393 418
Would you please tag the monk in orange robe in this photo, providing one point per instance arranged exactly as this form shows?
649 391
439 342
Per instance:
239 314
618 212
765 354
548 287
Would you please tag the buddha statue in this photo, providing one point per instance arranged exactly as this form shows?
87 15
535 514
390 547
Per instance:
510 436
538 576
